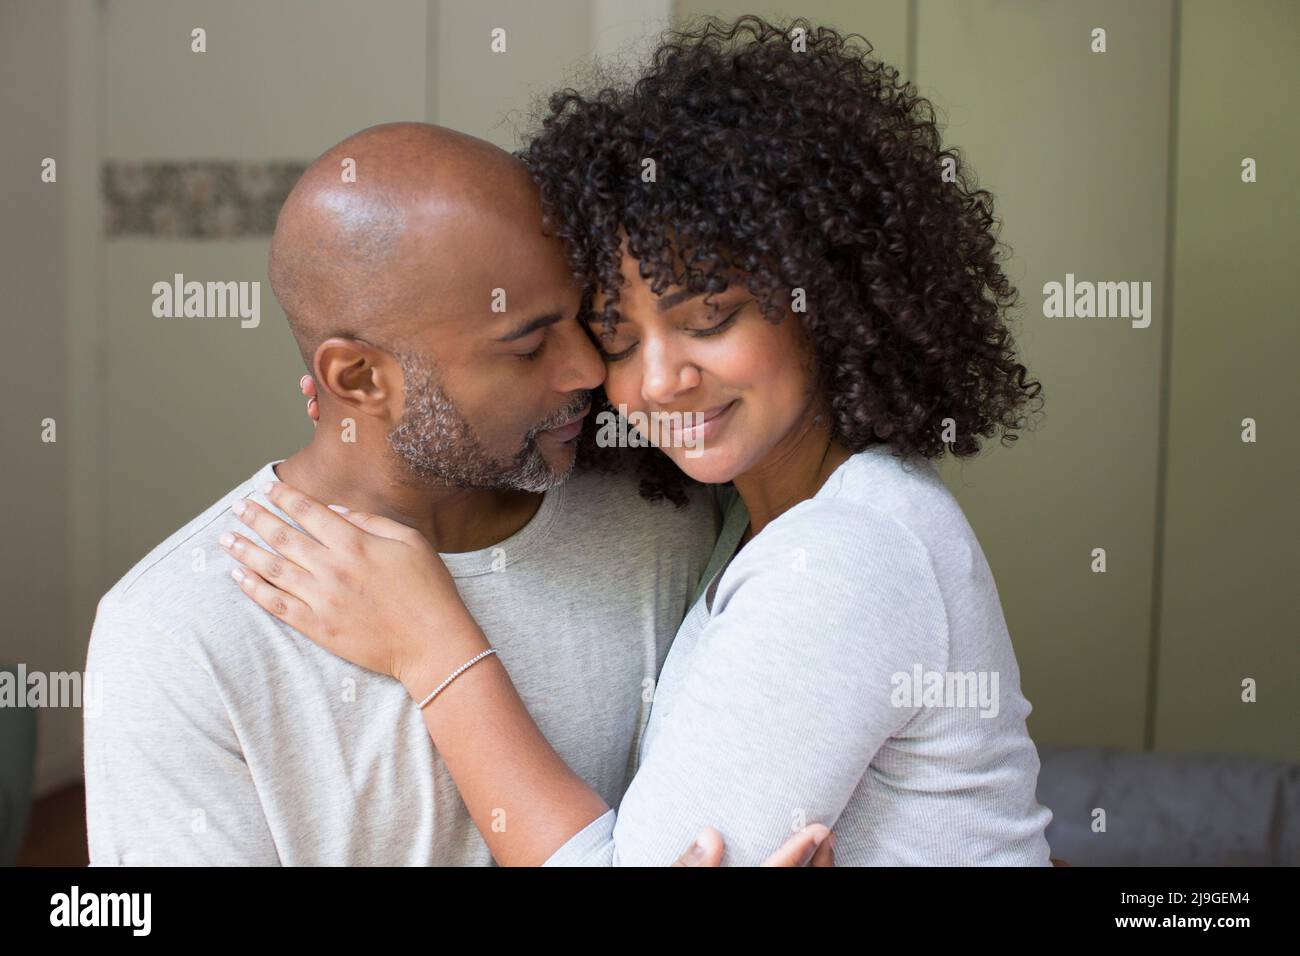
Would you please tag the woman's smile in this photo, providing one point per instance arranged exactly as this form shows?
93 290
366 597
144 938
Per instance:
703 426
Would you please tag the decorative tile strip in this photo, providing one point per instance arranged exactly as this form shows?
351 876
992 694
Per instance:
205 199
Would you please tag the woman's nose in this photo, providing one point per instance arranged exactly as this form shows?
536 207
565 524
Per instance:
666 373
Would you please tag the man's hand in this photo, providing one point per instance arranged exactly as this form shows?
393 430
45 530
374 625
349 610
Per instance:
814 845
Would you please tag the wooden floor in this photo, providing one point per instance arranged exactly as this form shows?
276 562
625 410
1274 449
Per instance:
56 830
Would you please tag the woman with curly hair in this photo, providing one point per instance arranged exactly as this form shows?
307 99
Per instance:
772 240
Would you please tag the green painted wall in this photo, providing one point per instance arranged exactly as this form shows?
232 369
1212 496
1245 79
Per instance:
1074 145
1230 600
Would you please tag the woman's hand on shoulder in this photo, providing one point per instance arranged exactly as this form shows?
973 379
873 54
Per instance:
362 586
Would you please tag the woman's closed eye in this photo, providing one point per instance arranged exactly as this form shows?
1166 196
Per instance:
619 344
613 345
726 323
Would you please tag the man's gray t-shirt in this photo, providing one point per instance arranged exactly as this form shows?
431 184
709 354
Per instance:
226 737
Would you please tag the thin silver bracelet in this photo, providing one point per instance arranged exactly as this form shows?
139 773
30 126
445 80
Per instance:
456 673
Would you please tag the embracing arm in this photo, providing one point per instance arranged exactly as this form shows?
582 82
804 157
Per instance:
526 801
523 797
375 592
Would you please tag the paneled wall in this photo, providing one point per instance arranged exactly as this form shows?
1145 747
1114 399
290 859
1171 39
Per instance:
35 586
1229 596
1074 146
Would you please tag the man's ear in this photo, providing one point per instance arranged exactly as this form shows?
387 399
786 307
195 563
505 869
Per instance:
360 377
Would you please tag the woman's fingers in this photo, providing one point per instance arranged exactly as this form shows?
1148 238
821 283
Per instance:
371 600
800 848
271 567
825 855
284 606
326 526
280 535
307 385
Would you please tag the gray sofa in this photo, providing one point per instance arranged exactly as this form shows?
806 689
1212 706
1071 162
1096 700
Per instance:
1165 809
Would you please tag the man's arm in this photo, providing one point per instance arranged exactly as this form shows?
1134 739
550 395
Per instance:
166 779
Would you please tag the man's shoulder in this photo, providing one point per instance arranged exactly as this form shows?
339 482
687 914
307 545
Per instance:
184 580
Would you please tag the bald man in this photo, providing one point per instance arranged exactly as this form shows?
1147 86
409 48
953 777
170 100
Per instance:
441 326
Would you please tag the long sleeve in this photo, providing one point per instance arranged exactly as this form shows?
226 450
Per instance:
789 692
166 780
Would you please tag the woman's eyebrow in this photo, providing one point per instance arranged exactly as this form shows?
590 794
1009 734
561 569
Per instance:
673 299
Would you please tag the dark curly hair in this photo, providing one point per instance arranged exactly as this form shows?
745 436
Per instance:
800 167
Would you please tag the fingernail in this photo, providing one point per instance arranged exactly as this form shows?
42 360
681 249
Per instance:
302 382
239 507
266 488
339 508
697 851
237 574
227 539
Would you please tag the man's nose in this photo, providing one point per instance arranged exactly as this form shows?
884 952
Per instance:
582 367
665 372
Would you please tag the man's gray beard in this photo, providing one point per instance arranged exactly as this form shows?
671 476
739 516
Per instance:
440 448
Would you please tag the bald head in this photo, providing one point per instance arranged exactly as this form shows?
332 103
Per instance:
353 255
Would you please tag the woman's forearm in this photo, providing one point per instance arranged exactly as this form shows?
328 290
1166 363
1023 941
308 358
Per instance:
522 796
375 592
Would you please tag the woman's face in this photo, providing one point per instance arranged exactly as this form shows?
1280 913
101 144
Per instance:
716 355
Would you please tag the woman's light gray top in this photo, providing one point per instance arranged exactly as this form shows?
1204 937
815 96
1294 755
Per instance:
852 668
